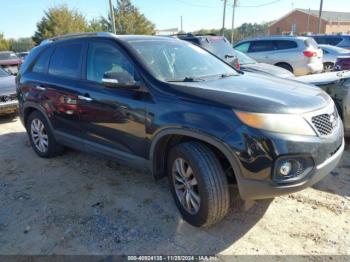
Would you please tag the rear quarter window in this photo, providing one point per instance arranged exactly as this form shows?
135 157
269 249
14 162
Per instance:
41 63
66 60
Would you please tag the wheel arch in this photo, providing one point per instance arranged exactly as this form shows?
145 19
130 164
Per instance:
31 107
168 137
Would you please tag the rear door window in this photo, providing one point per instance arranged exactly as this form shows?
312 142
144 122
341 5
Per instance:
261 46
66 60
285 44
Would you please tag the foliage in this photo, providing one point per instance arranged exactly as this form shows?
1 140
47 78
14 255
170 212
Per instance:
129 20
58 21
4 44
246 30
21 44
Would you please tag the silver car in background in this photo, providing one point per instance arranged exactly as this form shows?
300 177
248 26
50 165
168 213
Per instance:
331 54
299 55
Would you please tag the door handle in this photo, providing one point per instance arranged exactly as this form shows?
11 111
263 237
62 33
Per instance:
41 88
85 98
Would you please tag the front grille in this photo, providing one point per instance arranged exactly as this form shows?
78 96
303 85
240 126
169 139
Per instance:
7 98
325 123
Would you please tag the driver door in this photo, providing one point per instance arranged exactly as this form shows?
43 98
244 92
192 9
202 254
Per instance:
112 118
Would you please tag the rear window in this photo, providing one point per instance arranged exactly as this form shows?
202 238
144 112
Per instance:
261 46
217 45
8 56
66 61
285 44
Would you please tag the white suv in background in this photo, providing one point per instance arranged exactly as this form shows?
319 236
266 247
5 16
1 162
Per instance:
300 55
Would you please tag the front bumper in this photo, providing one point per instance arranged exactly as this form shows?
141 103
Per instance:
9 107
252 189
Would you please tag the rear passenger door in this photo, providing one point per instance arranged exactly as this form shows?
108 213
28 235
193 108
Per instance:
261 50
58 86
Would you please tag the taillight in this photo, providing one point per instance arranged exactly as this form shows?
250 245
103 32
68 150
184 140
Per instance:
309 53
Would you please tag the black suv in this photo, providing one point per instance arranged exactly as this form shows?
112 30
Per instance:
168 106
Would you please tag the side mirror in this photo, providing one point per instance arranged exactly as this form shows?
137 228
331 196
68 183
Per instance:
122 80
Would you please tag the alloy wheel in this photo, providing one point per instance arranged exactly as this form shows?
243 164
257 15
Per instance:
186 186
39 135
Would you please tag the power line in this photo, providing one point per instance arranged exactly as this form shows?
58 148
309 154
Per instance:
210 6
261 5
195 5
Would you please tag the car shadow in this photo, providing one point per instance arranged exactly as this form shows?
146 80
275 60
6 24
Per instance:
83 204
8 118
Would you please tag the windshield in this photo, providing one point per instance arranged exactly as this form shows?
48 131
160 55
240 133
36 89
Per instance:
180 61
3 73
244 59
8 56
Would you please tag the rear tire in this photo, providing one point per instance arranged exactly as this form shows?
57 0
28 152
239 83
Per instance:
209 200
328 67
285 66
41 136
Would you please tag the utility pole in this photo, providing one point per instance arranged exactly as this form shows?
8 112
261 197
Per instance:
223 19
319 17
112 17
181 24
233 19
308 22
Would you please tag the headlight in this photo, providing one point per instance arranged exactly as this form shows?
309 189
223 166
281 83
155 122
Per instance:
281 123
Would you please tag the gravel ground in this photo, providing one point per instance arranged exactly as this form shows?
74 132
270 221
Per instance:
83 204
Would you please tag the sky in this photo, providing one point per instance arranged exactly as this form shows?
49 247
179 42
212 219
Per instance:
18 18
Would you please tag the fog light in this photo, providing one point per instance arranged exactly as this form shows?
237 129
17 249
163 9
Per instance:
285 168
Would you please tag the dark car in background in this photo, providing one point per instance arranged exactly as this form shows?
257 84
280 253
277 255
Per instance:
22 55
217 45
335 58
10 62
8 96
179 111
340 40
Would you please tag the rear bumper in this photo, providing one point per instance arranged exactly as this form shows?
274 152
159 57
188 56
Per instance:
308 69
250 189
8 107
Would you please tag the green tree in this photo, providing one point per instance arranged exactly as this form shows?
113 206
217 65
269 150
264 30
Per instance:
129 20
58 21
21 44
4 44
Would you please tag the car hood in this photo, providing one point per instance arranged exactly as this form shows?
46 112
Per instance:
256 93
267 69
7 85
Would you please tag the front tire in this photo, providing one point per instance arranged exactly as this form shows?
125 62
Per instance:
41 136
198 184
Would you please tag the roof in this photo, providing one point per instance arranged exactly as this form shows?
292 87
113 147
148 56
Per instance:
326 15
272 37
329 15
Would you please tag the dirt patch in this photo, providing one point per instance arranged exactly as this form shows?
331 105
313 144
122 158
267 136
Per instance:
82 204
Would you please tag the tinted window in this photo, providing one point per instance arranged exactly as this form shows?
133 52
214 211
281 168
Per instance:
319 40
106 59
42 62
66 60
261 46
244 47
333 40
285 44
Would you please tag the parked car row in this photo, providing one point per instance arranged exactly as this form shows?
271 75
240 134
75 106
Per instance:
169 106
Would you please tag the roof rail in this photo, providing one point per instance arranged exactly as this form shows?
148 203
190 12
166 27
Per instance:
75 35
